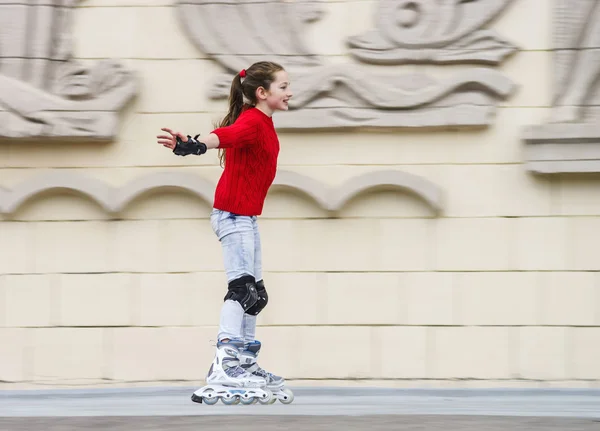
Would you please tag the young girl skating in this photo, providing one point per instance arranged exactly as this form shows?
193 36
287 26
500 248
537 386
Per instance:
249 149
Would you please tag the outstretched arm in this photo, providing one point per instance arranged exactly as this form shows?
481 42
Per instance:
242 133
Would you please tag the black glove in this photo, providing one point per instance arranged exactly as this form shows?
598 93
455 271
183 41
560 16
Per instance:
192 146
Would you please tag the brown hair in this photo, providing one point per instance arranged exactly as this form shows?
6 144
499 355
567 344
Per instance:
260 74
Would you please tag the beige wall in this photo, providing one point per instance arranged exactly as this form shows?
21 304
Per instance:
501 288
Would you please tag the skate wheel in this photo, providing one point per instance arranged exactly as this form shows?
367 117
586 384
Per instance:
249 401
210 401
268 398
288 396
209 397
230 401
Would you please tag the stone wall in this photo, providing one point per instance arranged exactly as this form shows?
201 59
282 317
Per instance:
409 238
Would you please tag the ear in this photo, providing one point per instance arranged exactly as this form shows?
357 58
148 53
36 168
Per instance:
261 93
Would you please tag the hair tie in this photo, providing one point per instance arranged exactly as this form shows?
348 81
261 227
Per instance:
243 73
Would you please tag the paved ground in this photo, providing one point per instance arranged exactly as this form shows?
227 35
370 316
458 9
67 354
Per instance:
309 423
315 409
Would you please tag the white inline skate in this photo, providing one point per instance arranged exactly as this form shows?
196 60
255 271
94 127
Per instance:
229 382
248 361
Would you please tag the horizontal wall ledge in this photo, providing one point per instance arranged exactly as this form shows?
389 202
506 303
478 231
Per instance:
562 148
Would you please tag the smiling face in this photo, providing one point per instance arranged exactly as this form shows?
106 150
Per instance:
277 97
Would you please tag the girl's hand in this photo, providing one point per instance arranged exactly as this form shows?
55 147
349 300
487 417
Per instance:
170 141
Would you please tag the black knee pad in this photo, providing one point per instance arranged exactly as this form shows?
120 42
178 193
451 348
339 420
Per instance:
263 299
244 291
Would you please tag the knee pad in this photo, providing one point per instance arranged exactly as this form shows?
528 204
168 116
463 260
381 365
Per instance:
244 291
262 301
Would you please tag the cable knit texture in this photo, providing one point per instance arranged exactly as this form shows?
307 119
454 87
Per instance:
250 163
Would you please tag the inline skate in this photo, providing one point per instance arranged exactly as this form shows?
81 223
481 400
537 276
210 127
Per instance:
248 360
230 383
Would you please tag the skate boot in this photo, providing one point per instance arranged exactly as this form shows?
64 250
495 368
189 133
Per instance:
229 382
248 361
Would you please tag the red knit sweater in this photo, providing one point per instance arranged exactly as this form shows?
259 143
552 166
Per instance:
250 163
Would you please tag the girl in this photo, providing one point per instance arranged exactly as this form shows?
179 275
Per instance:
249 148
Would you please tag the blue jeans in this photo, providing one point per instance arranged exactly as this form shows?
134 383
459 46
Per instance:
240 242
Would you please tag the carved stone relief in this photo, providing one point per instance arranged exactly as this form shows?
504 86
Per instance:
351 95
115 199
43 91
570 139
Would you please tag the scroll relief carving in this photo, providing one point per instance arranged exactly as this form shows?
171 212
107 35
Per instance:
405 32
569 141
43 91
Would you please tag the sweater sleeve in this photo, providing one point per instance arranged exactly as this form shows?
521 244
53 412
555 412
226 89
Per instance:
242 133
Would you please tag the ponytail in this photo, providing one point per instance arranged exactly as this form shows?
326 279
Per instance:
236 105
